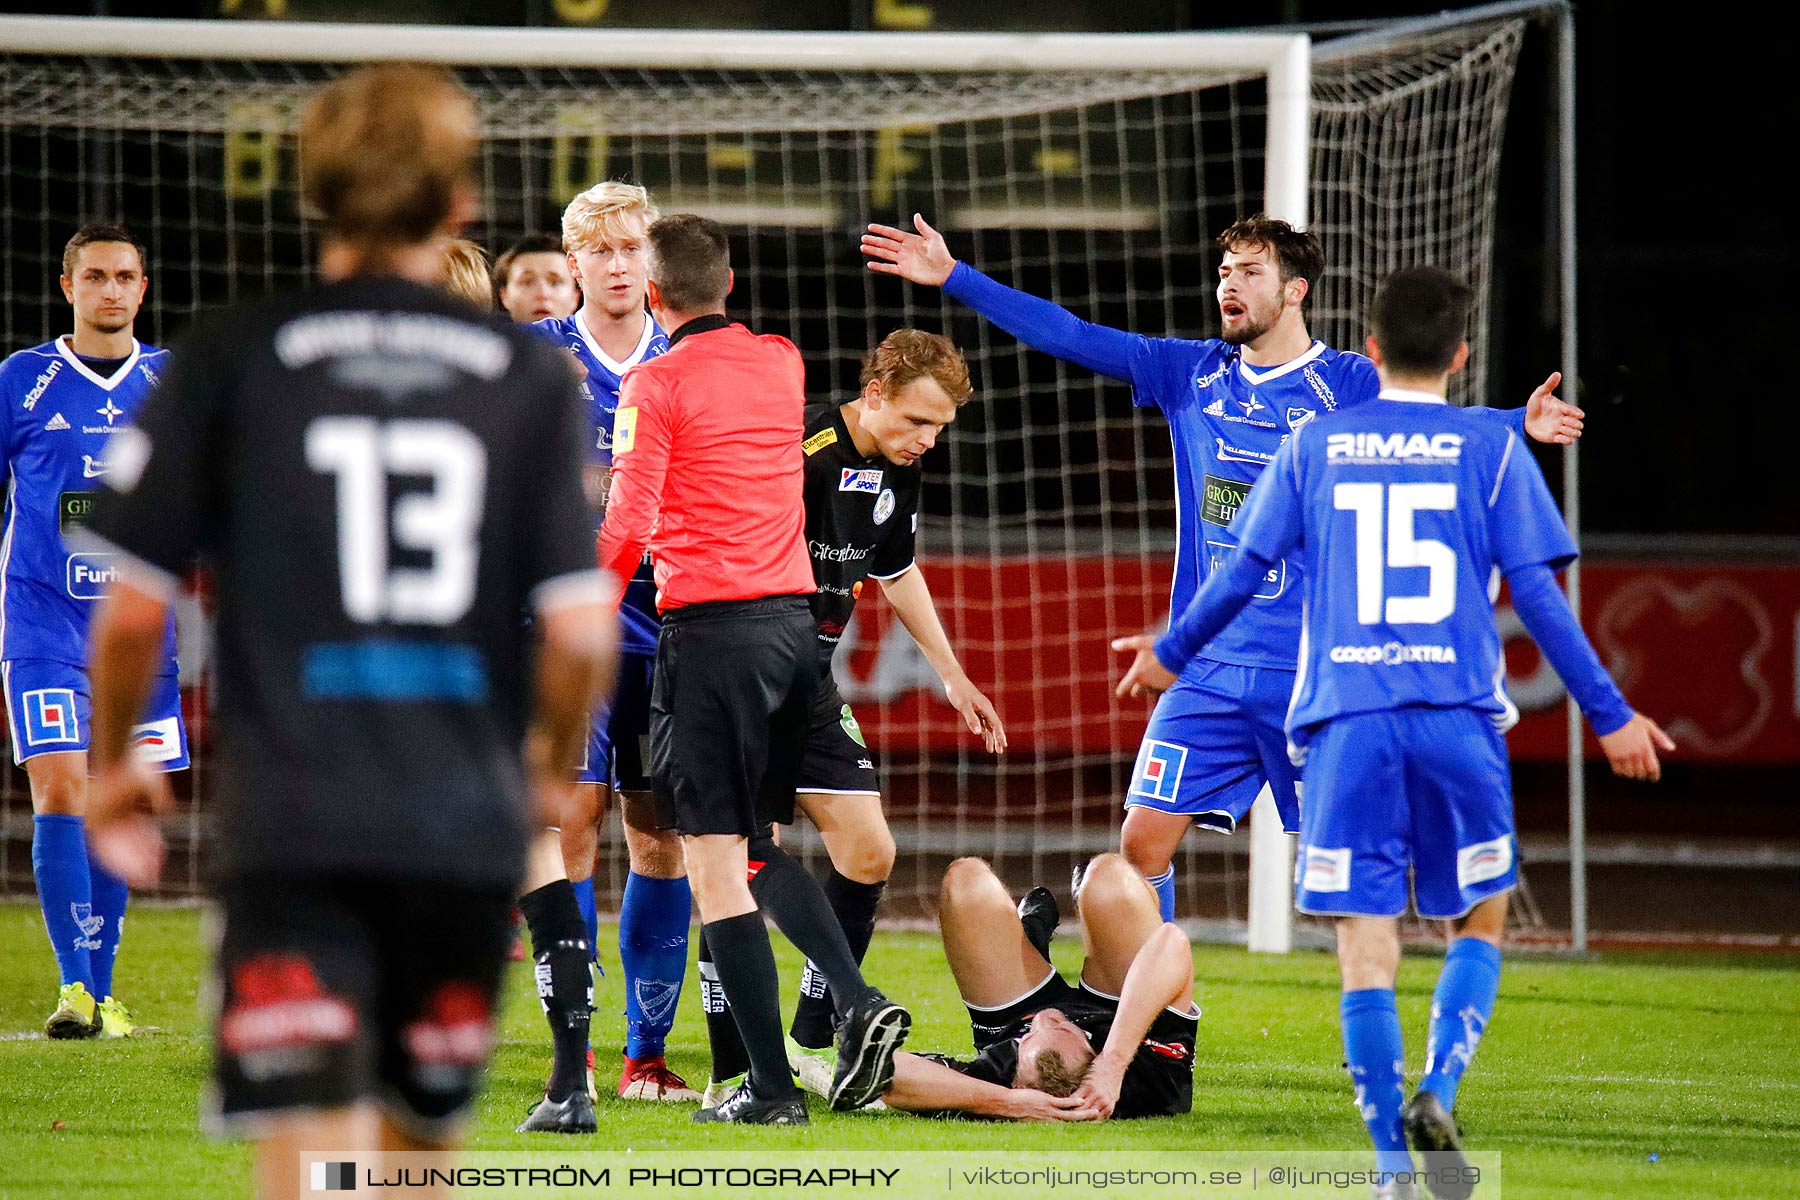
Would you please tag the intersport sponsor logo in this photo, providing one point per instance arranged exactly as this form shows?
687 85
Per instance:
1393 654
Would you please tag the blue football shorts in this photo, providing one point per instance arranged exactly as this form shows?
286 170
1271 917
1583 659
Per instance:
49 707
618 749
1214 740
1422 788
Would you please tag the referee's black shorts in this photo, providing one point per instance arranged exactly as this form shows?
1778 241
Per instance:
729 712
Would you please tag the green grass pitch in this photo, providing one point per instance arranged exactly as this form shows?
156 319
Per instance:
1589 1069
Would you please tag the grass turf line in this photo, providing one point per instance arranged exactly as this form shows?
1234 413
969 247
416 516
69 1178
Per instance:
1589 1068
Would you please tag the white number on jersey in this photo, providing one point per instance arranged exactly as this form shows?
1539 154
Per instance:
362 453
1373 605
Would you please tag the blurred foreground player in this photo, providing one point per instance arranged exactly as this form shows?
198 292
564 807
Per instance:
707 473
63 407
607 232
1215 739
382 480
1405 513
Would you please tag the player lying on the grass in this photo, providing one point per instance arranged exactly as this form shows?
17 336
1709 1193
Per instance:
862 516
1215 738
384 480
1405 514
533 279
62 407
1119 1044
606 235
708 475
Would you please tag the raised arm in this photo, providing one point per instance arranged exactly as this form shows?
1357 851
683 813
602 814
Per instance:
924 258
912 602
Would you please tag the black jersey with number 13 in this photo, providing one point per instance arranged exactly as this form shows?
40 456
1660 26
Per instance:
382 479
862 520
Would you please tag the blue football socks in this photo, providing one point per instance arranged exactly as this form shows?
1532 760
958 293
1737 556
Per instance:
1165 891
653 941
1374 1052
59 861
1460 1010
109 895
584 900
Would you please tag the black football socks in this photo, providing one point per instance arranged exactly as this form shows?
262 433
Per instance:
561 953
745 963
854 905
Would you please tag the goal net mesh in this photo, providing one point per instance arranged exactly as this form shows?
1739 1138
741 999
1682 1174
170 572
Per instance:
1048 510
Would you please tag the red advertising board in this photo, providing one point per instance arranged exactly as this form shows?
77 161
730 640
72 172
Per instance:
1708 649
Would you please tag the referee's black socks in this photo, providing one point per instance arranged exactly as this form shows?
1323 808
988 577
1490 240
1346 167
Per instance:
854 905
745 963
797 904
561 952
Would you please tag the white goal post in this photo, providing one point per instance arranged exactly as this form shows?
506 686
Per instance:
1091 168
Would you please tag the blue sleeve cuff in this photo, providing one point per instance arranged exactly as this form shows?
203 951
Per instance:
1223 596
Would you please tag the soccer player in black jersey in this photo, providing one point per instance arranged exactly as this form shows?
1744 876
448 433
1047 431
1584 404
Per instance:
1118 1044
862 513
382 479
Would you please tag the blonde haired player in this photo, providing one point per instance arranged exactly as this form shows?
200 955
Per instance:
466 273
606 237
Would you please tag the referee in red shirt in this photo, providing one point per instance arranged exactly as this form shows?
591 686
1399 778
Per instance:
708 474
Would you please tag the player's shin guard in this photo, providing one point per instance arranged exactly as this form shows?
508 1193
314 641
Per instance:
1165 891
653 937
590 913
746 965
729 1058
854 905
796 903
1374 1052
1460 1010
564 982
59 862
109 895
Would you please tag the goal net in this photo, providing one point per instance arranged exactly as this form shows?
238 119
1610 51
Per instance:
1093 171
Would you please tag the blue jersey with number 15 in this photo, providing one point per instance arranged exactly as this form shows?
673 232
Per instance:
1404 514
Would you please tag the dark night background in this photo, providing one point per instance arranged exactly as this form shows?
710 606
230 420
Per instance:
1683 258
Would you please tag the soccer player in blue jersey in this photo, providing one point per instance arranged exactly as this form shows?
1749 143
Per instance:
1216 738
1405 514
61 404
605 233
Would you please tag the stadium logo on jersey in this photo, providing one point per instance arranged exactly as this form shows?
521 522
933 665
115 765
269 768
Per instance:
624 430
1319 387
1393 447
1206 381
157 741
110 411
1326 870
884 506
88 575
57 421
1158 774
39 385
1231 453
1393 654
50 716
1484 861
1297 417
866 480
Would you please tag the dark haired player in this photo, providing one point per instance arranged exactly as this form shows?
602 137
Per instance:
1405 513
533 281
707 473
382 479
862 516
63 407
1215 738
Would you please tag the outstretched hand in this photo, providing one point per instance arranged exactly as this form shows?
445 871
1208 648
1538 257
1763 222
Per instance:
124 803
1550 420
1146 675
921 257
1631 749
977 712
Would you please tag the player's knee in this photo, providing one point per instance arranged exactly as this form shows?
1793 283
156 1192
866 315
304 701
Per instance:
870 859
967 877
1144 853
58 788
656 855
